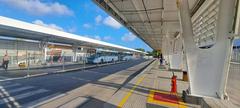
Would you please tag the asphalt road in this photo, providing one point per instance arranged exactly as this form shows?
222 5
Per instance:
28 92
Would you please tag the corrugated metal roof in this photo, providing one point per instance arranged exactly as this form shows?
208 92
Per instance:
151 20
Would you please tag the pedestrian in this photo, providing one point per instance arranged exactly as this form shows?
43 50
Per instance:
1 66
161 59
5 62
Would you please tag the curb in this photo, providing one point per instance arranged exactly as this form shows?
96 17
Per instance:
44 66
62 71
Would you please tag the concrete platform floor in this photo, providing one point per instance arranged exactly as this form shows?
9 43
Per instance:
136 93
115 91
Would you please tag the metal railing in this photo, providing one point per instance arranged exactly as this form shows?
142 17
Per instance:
235 55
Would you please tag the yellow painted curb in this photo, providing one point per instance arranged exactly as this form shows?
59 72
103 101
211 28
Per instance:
162 103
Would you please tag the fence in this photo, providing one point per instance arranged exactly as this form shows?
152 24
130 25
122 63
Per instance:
236 54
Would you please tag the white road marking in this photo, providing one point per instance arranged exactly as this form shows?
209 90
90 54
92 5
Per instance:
49 100
20 89
9 105
8 97
28 94
12 85
5 82
96 72
42 100
81 79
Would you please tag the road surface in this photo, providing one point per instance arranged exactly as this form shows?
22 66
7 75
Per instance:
28 92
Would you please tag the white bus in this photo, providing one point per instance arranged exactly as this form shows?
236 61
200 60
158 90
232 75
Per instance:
103 56
126 56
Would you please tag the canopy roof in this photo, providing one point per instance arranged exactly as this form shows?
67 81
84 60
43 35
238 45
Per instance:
19 29
151 20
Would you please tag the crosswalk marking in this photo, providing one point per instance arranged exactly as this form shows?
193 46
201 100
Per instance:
20 89
8 88
4 83
12 85
28 94
4 93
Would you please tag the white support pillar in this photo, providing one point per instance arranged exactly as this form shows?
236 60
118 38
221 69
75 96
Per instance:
208 68
176 57
44 48
170 51
75 50
166 50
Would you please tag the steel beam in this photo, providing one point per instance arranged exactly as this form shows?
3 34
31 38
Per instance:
153 21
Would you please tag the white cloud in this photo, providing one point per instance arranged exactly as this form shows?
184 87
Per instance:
97 37
87 36
72 29
87 25
129 37
98 19
53 26
109 21
37 7
107 38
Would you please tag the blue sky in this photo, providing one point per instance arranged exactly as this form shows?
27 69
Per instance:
81 17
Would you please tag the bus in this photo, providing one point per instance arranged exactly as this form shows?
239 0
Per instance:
126 56
103 56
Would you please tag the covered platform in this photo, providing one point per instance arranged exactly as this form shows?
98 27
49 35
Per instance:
149 89
194 36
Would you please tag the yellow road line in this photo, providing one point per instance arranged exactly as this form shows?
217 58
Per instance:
124 100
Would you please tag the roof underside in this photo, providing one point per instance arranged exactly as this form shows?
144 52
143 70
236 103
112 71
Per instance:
151 20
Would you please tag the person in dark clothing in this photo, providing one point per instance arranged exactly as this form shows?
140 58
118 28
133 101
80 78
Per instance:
161 59
5 62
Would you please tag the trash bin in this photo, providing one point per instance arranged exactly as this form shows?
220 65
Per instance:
22 65
185 76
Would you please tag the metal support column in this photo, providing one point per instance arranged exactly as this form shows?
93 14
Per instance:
75 50
176 54
208 68
44 47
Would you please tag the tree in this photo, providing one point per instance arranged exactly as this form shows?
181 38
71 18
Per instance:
149 53
140 49
155 53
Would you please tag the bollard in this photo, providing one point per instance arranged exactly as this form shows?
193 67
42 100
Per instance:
63 61
28 64
174 85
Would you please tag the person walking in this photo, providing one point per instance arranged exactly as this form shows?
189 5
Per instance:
5 62
161 59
